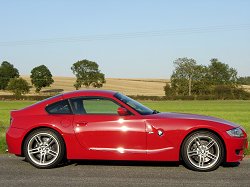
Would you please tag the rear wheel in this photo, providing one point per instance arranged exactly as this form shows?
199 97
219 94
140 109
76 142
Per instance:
44 148
202 151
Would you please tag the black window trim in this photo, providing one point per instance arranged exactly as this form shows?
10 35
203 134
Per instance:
68 102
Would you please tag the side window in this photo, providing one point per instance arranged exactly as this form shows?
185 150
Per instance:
61 107
94 106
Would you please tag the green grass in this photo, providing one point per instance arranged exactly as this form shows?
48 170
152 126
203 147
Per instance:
3 146
235 111
5 108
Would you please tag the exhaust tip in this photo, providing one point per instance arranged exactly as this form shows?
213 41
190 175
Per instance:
6 150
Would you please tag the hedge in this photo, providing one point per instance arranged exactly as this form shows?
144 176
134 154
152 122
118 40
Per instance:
24 97
140 97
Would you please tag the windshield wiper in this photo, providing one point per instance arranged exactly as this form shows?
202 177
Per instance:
155 112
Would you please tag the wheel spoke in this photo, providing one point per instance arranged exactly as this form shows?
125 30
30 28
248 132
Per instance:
42 158
211 156
38 140
198 142
34 151
193 153
201 161
210 144
50 141
53 153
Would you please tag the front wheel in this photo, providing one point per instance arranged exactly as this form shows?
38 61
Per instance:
202 151
44 148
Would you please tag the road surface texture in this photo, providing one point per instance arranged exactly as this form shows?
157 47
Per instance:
14 171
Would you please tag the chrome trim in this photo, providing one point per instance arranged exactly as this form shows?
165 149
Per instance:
131 151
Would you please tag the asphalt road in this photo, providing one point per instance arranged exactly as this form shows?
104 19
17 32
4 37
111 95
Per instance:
15 171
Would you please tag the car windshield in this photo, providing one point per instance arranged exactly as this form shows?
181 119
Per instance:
143 110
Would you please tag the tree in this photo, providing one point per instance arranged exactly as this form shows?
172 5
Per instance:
41 77
223 91
222 74
87 74
18 86
7 71
201 84
189 78
169 91
244 80
182 77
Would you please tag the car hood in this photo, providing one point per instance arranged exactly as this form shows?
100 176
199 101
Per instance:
194 117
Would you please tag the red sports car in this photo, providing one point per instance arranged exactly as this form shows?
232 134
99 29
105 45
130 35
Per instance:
106 125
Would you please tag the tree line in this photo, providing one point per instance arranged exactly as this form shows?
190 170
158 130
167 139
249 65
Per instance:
244 80
87 74
217 80
188 80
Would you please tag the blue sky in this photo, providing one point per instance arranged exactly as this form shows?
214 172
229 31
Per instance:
46 32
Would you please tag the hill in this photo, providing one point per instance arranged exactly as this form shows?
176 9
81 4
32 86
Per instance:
148 87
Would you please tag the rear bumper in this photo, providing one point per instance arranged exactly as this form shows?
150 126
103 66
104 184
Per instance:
236 148
14 138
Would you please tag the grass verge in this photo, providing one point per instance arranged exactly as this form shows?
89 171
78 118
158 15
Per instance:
3 145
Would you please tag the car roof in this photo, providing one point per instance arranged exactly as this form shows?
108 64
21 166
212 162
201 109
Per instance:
103 93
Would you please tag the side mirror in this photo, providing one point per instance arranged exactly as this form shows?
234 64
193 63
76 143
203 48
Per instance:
122 111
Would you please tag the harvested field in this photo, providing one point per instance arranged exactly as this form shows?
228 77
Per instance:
148 87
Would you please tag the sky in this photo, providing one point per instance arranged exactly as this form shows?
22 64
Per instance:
128 39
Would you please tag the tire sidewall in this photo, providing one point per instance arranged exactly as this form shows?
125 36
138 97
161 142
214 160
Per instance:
186 160
60 141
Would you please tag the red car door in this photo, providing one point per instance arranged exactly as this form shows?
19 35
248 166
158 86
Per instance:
106 135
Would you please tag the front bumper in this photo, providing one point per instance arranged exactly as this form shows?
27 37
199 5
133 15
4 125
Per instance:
14 138
235 149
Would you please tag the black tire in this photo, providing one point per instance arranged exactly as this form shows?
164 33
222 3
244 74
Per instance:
202 151
44 148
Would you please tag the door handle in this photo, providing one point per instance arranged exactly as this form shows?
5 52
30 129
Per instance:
81 123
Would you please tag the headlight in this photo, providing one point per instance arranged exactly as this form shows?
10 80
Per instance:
237 132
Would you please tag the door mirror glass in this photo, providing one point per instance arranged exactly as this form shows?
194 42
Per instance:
122 111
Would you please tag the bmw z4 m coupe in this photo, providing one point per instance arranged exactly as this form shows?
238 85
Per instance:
106 125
